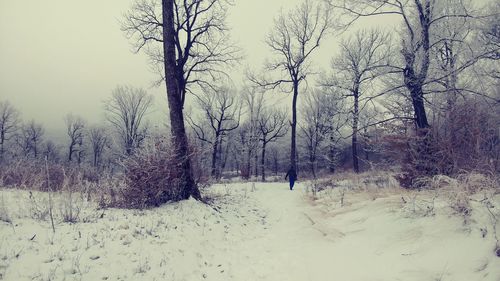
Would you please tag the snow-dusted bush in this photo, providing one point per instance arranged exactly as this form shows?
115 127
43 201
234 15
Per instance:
23 173
151 177
55 179
36 175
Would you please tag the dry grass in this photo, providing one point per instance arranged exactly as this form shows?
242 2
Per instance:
456 193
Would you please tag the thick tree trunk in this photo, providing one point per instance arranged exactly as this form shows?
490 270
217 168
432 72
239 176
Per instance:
263 161
423 158
417 97
179 138
355 121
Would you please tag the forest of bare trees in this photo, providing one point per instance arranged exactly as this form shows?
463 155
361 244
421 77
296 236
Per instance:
250 140
421 101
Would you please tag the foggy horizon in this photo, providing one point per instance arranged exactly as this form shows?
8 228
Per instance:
68 57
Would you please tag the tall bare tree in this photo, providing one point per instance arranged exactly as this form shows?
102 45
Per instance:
202 46
175 97
221 115
194 46
362 59
75 126
272 126
295 37
125 110
421 32
9 120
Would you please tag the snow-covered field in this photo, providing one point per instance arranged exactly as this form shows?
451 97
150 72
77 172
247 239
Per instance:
270 233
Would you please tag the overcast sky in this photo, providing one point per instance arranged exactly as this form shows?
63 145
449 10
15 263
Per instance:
61 56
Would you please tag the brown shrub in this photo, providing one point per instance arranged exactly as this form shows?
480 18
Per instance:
56 178
23 173
151 177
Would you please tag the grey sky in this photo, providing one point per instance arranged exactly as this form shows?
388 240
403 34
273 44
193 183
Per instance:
61 56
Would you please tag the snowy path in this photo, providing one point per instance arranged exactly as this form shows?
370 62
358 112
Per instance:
291 248
367 241
271 234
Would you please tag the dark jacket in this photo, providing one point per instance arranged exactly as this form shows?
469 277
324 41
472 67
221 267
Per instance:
292 174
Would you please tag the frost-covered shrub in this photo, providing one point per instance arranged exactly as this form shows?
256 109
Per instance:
91 175
33 175
23 173
151 177
56 178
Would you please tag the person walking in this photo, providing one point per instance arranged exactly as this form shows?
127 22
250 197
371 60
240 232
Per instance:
292 176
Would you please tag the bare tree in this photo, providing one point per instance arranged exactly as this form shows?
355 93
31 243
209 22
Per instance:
362 59
30 138
51 151
416 43
125 110
422 31
272 126
9 120
98 140
175 103
201 44
194 46
75 126
222 111
248 142
294 39
321 122
253 99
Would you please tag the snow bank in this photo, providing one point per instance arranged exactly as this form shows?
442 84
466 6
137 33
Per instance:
180 241
258 231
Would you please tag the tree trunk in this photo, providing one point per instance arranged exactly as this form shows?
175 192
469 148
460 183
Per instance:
331 151
275 158
223 155
355 121
213 171
256 164
248 172
293 148
262 161
313 165
417 97
2 141
179 138
70 153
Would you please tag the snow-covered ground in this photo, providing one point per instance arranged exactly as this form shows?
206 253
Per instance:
270 233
